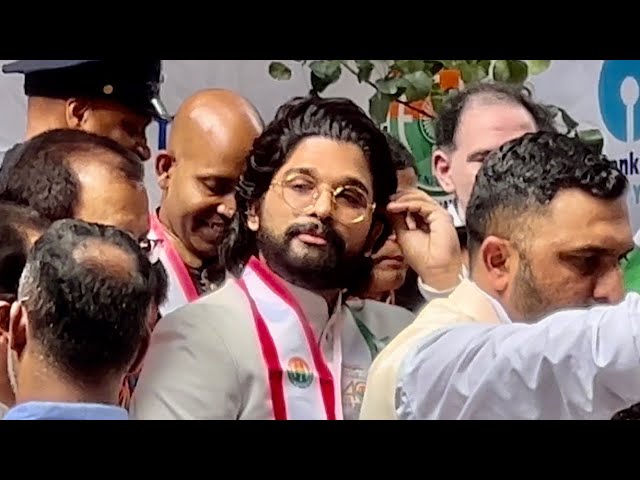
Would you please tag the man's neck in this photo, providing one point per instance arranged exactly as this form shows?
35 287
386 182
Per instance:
189 259
330 296
44 384
498 297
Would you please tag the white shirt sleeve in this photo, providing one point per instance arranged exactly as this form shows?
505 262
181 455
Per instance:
429 293
574 364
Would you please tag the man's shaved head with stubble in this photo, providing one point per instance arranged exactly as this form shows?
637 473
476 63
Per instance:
210 137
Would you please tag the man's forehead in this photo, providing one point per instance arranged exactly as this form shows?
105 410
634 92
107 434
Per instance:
211 156
329 160
575 218
488 125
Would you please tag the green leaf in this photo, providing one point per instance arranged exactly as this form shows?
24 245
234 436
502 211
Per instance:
365 68
319 84
327 69
379 107
518 71
501 71
511 71
323 74
418 85
390 86
410 66
472 72
485 64
593 138
536 67
279 71
437 100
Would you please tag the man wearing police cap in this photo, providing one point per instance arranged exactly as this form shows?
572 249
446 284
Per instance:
113 98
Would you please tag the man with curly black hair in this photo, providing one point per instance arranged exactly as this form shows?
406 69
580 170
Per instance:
279 341
548 224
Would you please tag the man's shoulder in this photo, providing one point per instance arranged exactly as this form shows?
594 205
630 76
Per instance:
456 308
219 309
379 315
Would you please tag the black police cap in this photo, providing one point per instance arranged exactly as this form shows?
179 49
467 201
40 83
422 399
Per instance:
135 84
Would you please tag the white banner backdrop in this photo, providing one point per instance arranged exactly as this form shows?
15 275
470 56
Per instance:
601 94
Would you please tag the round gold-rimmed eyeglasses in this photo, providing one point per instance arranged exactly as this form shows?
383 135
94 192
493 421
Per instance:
300 193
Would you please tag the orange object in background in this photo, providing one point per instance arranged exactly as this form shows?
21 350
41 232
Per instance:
449 79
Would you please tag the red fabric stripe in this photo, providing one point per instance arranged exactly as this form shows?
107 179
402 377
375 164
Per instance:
270 355
326 378
180 271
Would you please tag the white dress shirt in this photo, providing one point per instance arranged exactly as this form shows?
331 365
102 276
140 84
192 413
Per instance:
574 364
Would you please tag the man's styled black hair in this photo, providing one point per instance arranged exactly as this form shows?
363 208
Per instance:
38 173
448 120
301 117
524 175
87 306
15 223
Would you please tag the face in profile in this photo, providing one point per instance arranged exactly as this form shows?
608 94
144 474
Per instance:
389 265
484 126
198 192
314 222
573 260
113 120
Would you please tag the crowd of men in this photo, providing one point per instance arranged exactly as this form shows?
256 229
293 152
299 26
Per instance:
293 268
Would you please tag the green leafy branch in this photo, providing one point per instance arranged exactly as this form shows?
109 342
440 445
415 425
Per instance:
411 82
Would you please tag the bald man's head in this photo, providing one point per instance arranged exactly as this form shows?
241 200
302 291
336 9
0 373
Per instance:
215 120
211 136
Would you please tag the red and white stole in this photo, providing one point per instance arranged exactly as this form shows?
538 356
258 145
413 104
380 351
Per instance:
304 386
181 287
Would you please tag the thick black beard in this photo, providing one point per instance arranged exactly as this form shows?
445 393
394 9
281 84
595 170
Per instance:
334 269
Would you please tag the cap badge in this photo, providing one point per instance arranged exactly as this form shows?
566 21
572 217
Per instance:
108 89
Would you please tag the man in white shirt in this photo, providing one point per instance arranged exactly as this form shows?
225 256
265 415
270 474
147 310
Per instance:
548 224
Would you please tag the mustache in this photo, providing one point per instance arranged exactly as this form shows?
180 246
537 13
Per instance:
324 230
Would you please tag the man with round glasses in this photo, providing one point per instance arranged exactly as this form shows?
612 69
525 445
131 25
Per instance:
279 341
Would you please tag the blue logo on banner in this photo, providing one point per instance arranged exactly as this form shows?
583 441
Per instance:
618 93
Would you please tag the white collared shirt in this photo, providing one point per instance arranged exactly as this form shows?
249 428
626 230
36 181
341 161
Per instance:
497 306
574 364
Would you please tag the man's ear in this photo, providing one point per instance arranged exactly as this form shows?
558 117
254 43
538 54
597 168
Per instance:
77 112
253 217
442 170
499 261
18 328
164 168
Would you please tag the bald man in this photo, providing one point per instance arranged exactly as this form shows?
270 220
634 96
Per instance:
210 137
